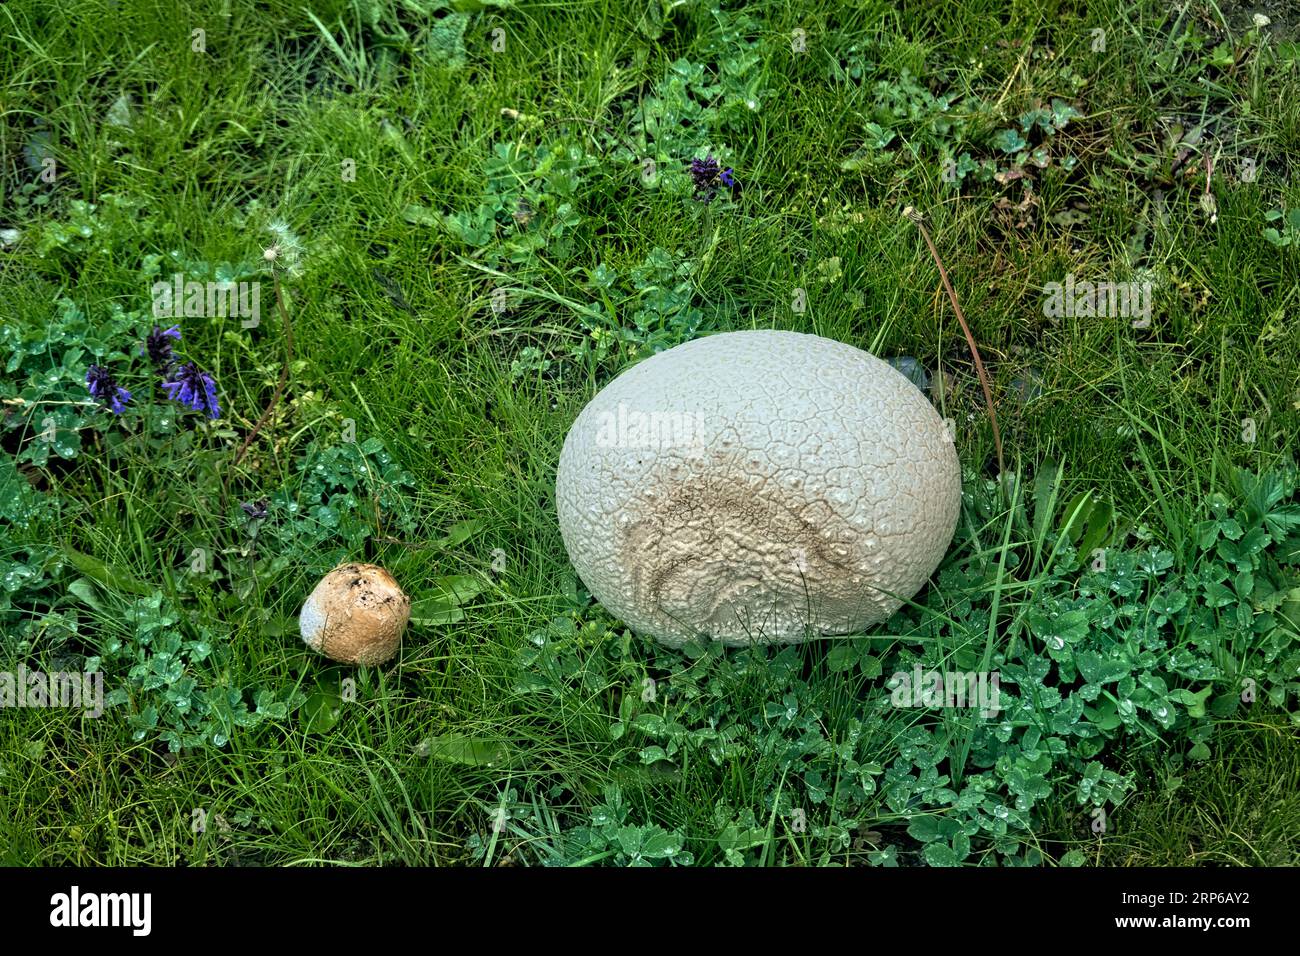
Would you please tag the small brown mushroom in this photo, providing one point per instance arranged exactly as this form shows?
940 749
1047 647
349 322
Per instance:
356 615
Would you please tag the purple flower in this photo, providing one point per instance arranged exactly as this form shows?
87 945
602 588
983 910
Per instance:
256 510
102 385
158 347
708 176
193 387
705 173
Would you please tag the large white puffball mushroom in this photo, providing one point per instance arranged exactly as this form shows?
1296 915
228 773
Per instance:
356 615
757 486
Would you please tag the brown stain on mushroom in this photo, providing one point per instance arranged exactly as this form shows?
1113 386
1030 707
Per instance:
769 546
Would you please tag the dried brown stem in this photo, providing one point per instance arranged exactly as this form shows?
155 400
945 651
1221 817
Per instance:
917 218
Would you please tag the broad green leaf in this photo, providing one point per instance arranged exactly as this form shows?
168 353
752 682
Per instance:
1096 669
84 591
870 666
459 533
103 575
433 612
418 215
940 854
1045 483
658 844
842 656
441 604
457 588
321 711
468 751
1078 509
1195 703
1098 528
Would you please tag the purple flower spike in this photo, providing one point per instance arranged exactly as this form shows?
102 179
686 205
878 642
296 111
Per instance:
704 171
102 385
708 175
159 348
194 388
705 174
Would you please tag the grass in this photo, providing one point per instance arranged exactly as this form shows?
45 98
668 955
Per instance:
1230 810
395 329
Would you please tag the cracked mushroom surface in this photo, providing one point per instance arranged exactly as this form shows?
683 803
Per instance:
757 486
355 615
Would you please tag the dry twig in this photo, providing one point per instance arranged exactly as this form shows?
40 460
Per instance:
919 220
